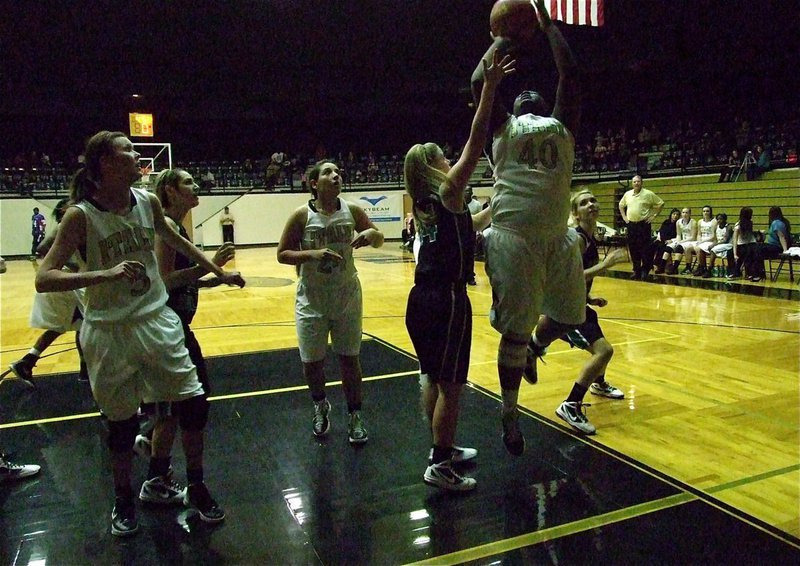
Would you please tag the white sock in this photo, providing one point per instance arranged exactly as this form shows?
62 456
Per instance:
35 353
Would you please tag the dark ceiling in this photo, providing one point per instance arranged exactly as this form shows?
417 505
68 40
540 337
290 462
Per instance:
247 76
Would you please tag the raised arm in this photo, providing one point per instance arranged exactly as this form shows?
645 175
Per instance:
567 109
499 112
452 192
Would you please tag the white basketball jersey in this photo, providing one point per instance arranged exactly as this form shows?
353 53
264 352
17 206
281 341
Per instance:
721 233
533 157
685 230
111 239
319 280
705 229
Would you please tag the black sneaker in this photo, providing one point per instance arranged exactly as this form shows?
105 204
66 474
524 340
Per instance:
512 436
534 351
23 369
321 423
123 518
197 497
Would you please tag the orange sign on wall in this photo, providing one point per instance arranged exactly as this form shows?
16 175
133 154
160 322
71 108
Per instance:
141 124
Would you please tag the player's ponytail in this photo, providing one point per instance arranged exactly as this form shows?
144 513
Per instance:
86 180
421 179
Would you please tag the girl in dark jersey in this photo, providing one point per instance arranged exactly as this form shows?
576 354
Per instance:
176 190
589 336
438 314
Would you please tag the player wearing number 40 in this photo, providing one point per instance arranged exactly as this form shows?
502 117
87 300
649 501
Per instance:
532 259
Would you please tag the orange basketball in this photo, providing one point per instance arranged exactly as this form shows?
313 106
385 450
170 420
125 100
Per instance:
513 19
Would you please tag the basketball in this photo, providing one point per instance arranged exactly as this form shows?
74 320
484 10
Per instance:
512 18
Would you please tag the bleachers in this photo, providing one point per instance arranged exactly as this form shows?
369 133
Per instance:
775 188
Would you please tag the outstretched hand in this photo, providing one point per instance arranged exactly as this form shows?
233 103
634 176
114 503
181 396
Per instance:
495 72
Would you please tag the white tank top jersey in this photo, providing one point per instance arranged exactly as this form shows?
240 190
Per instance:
111 239
721 233
335 232
706 229
685 230
533 158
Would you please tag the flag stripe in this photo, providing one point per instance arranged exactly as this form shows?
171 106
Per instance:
577 12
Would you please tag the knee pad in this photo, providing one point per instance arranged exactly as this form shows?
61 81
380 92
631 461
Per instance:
193 413
512 354
122 434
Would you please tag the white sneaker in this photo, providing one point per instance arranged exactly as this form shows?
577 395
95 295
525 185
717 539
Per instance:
605 389
142 446
442 475
459 455
572 413
163 490
9 471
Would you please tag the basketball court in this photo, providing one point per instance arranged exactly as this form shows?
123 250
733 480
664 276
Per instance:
698 464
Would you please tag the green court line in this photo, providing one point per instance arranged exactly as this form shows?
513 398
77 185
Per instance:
753 479
528 539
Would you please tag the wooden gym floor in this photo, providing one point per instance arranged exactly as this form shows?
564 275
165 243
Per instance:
699 463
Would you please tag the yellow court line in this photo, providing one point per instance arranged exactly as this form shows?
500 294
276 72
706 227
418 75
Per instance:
49 420
536 537
305 387
214 398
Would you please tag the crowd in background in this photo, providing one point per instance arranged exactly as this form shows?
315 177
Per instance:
739 151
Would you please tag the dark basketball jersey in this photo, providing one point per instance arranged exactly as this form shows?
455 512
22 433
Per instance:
183 300
447 244
590 255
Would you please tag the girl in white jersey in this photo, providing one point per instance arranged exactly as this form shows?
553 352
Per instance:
133 343
532 259
706 237
319 239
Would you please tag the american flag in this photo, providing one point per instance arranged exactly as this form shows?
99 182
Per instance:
580 12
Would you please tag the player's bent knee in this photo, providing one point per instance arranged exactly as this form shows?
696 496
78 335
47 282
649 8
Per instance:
122 434
193 413
512 353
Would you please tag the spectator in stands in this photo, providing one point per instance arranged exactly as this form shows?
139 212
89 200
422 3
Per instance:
763 163
38 229
638 208
744 241
730 169
723 246
227 221
777 240
706 237
667 234
207 180
687 235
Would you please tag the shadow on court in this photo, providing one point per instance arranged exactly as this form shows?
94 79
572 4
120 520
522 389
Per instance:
291 498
